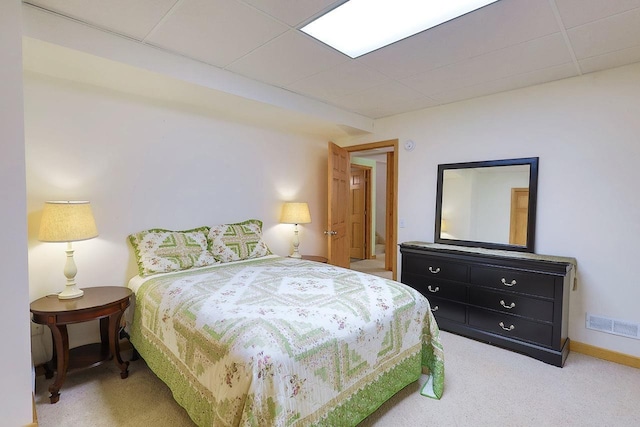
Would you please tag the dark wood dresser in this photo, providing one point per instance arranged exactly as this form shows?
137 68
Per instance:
518 301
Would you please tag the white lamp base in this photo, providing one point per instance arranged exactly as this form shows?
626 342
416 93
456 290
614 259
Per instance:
71 290
296 243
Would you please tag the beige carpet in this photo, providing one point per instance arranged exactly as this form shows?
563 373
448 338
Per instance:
373 266
485 386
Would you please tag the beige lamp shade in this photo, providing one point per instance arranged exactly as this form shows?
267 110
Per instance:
295 213
66 221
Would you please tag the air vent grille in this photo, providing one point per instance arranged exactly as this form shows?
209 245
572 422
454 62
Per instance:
613 326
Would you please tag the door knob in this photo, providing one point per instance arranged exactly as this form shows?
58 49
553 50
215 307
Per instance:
330 233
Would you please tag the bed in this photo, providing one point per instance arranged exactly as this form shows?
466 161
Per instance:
273 341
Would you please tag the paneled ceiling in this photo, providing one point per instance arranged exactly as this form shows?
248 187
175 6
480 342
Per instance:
506 45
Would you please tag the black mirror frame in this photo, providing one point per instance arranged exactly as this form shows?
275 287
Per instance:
533 196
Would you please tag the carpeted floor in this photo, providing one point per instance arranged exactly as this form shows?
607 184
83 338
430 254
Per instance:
484 386
373 266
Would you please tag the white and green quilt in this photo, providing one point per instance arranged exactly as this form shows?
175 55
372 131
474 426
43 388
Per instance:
284 342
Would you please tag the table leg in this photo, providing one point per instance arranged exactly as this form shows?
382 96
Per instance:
135 355
114 344
104 332
48 370
61 345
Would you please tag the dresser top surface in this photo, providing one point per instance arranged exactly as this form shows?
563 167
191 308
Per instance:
492 252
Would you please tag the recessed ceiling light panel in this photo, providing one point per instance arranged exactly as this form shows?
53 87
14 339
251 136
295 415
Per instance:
361 26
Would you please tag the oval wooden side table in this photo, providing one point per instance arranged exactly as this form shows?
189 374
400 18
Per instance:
106 303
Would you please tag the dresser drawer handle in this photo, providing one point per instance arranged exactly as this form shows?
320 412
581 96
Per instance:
504 282
436 271
432 289
434 309
510 328
504 304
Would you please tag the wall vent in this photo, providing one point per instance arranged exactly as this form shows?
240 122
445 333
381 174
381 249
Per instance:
613 326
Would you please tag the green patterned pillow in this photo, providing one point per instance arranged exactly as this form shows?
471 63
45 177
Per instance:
235 242
162 251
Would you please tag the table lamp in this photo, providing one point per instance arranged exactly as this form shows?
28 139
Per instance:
295 213
66 221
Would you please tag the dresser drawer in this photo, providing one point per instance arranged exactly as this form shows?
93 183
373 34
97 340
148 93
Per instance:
435 288
512 304
447 309
511 326
514 280
434 267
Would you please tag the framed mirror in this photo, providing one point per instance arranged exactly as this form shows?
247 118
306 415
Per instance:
490 204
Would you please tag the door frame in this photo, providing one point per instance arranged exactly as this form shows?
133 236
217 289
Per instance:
513 222
391 232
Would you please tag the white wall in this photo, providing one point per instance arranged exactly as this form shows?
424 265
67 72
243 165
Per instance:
456 206
586 132
146 163
15 392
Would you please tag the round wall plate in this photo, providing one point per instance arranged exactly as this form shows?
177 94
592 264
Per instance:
409 145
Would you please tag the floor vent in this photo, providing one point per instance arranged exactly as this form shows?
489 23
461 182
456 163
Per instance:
613 326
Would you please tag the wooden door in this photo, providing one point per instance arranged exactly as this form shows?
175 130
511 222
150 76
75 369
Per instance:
357 212
338 209
519 216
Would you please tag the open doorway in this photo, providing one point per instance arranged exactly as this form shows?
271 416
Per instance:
380 229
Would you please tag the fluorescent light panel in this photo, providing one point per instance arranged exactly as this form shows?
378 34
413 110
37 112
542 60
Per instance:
361 26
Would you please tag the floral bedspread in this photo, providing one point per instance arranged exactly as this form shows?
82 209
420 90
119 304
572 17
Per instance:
284 342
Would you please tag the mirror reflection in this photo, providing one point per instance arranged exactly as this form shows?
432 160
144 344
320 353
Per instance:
487 204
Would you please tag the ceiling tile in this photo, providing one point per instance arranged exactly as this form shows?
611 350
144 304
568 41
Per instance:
610 60
491 28
391 93
522 58
390 109
134 18
606 35
347 78
508 83
292 12
215 31
578 12
286 59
